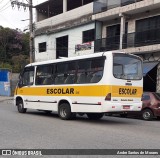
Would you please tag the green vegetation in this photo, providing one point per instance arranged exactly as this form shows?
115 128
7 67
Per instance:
14 49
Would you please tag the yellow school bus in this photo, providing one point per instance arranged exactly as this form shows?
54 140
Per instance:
92 84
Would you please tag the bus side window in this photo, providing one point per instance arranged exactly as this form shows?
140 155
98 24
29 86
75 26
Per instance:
83 66
71 73
96 70
65 73
61 73
27 77
44 75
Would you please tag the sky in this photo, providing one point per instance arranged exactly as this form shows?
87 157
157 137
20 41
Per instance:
11 17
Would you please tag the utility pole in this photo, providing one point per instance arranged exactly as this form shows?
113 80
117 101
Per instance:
31 40
31 37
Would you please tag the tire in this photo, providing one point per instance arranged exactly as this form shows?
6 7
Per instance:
95 116
147 115
20 107
64 112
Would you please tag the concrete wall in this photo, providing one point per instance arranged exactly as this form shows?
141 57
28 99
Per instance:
75 37
67 16
13 82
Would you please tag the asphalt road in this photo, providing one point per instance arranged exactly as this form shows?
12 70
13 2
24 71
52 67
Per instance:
36 130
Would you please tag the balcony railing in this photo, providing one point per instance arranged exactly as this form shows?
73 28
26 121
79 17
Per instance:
106 44
103 5
136 39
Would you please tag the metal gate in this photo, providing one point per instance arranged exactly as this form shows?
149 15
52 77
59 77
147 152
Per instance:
5 89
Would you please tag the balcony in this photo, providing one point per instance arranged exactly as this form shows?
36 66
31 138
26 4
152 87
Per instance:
67 18
104 11
144 38
107 44
130 40
104 5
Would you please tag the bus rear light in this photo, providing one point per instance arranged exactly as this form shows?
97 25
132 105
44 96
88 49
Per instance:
99 103
113 107
108 97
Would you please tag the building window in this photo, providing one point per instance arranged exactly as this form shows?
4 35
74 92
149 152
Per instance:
148 24
113 36
72 4
42 47
147 31
62 47
88 35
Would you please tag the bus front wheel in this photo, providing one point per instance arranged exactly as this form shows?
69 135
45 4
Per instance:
95 116
20 107
64 111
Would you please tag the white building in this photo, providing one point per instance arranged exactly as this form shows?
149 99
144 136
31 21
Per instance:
62 28
65 27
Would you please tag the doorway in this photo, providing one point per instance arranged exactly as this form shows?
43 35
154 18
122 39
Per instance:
62 47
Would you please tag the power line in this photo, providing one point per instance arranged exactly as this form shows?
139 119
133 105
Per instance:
5 5
7 21
5 8
1 1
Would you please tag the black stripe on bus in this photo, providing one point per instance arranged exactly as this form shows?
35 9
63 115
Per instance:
38 101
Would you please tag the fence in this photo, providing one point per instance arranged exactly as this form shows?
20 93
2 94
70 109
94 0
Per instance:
8 82
5 89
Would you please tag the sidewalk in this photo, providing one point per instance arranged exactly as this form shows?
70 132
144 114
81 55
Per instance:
3 98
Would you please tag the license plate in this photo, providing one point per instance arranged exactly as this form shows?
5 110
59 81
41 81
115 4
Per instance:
126 107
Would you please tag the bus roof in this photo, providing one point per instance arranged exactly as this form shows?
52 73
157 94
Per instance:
73 58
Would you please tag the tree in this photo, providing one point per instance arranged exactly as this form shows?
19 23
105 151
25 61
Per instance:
14 45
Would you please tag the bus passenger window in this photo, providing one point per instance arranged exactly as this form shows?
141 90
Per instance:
44 75
65 73
96 70
83 67
81 78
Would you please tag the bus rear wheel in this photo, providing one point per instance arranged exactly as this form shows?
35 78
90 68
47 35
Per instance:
95 116
64 111
20 107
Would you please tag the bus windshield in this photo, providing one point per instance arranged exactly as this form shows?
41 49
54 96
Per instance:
127 67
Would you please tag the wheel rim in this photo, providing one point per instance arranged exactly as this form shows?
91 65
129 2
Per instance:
63 112
146 115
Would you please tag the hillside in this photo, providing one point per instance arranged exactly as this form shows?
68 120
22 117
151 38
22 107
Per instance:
14 49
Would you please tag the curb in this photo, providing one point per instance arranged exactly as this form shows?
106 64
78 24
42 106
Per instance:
6 99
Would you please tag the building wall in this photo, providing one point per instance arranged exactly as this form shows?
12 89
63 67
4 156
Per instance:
67 16
74 37
131 19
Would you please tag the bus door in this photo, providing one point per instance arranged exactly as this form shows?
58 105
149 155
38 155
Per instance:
24 86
